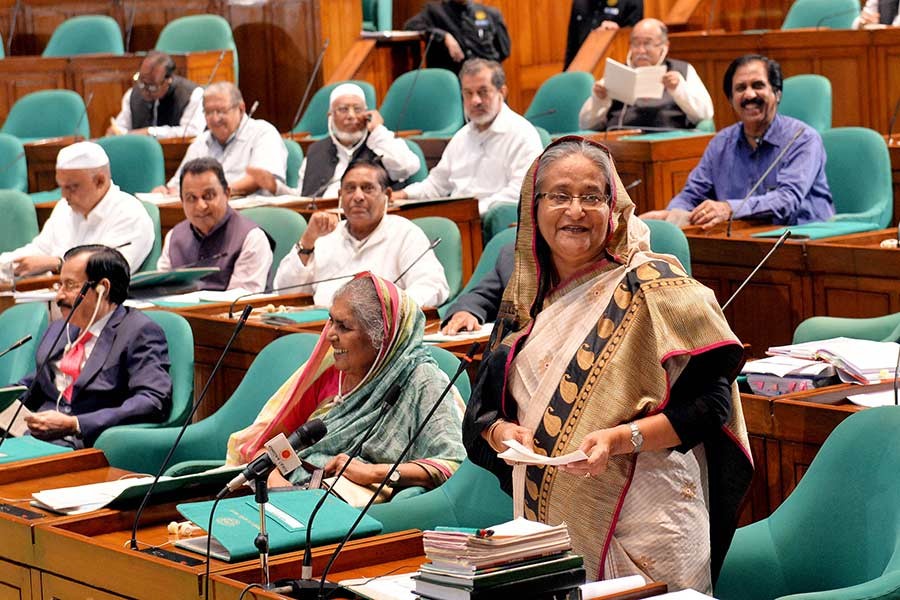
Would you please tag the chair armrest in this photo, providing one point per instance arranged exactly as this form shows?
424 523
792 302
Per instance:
751 554
881 588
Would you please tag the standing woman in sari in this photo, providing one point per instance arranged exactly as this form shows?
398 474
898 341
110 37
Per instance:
606 347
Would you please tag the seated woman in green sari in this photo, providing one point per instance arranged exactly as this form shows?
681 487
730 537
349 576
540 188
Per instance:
372 340
605 347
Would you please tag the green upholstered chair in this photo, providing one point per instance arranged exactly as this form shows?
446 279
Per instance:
859 175
135 161
422 173
666 238
19 223
198 32
833 14
837 536
449 363
877 329
15 323
2 47
46 114
13 168
485 263
426 99
707 126
315 116
294 160
143 450
545 136
808 98
378 15
284 225
449 251
557 102
86 34
149 263
499 217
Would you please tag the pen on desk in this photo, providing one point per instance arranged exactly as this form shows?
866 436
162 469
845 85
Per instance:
482 533
122 245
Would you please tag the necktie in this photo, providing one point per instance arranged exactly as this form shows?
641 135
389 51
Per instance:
71 364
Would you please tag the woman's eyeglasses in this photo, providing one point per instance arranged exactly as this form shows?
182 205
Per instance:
559 200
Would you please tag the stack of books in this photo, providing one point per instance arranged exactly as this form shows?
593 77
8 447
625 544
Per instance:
856 361
519 559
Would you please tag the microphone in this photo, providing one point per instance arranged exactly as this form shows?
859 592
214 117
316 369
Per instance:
305 436
31 386
187 420
129 26
249 116
644 128
87 105
634 184
209 79
309 84
12 26
203 260
541 115
430 247
710 16
463 363
15 345
893 121
283 289
8 165
762 178
414 81
777 245
839 13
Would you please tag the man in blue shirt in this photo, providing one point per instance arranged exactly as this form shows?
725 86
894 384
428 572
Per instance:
794 192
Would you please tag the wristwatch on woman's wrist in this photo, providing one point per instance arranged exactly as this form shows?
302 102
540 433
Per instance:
637 438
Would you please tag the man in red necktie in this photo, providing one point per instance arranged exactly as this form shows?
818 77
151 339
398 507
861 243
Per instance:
111 364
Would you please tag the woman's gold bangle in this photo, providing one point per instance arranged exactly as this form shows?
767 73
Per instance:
489 434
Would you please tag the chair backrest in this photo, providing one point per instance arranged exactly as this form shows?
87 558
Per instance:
2 47
284 225
706 125
422 173
425 99
545 136
839 528
487 261
315 115
449 363
15 323
46 114
13 168
19 223
449 251
877 329
500 217
377 15
557 102
666 238
294 160
180 341
808 98
198 32
86 34
135 161
149 263
858 169
833 14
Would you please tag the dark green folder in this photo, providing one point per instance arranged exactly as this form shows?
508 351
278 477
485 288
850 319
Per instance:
25 447
236 524
10 394
176 277
298 316
816 231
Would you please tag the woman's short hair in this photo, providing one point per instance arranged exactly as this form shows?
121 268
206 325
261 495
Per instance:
366 307
105 263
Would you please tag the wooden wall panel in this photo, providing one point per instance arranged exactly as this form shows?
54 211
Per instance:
842 296
885 52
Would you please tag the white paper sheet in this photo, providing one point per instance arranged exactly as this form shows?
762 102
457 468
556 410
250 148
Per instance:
516 452
627 84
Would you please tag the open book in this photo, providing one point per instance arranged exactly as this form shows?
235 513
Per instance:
627 84
856 361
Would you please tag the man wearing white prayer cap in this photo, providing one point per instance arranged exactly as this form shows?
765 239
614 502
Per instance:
354 132
92 210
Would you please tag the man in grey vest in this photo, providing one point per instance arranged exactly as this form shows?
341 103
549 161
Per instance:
685 100
215 235
160 103
876 13
354 133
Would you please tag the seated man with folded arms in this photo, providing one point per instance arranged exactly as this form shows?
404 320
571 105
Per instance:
794 192
685 100
215 235
368 240
111 365
487 158
354 132
93 210
160 103
235 140
481 304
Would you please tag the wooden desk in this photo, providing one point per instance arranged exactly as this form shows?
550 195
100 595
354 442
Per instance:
41 159
174 150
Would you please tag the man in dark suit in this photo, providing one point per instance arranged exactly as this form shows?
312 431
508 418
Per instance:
111 367
480 304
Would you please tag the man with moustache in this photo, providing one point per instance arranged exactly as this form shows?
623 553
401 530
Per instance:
110 366
235 140
795 192
684 103
368 240
354 133
487 158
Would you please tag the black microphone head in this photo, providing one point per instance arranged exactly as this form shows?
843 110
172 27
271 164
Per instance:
308 434
245 314
435 243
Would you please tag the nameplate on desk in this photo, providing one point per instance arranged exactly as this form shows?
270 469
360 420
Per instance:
22 513
182 559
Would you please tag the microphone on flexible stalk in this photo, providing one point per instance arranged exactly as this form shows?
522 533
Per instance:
83 114
402 113
309 84
209 79
430 247
893 121
778 244
17 344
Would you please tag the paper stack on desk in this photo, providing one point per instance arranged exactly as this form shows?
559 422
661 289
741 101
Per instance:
856 361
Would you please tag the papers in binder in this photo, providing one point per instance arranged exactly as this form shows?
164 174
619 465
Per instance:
627 84
516 452
8 396
856 361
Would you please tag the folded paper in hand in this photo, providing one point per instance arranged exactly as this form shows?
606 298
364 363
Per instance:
516 452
